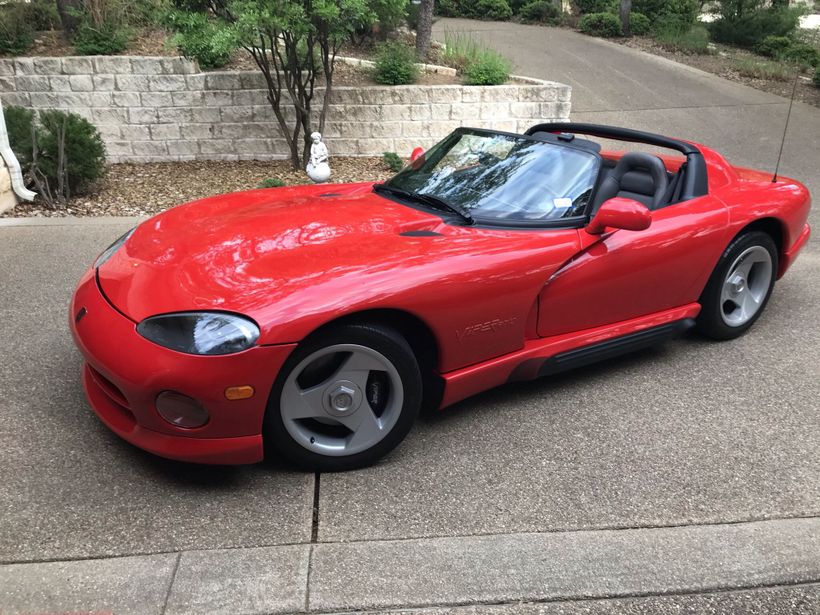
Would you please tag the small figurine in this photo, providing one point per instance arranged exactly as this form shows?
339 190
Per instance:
318 169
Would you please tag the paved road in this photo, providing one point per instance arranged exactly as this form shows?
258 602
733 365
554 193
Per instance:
689 471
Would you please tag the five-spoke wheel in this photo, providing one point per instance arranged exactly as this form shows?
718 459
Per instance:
345 398
739 287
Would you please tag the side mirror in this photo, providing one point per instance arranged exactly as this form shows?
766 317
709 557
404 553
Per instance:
620 213
416 154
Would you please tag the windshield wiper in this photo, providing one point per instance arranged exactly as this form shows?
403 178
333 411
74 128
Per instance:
428 199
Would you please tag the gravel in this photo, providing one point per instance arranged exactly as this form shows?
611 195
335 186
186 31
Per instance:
146 189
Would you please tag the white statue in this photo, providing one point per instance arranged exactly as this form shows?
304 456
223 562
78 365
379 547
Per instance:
318 169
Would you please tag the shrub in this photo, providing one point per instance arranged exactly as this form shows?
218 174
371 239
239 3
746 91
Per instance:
763 69
43 14
390 14
773 46
16 31
639 24
586 7
272 182
447 8
686 10
393 161
802 54
694 40
83 147
395 64
66 155
817 78
107 39
487 68
199 38
750 29
494 10
541 11
606 25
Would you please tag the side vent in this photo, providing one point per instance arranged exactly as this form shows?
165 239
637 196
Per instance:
420 234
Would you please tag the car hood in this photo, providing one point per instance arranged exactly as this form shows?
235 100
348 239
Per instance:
243 252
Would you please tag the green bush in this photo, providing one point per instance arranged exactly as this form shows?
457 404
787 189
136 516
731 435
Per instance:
686 10
106 40
802 54
395 64
198 38
393 161
606 25
773 46
750 29
43 14
541 11
272 182
16 30
639 24
817 78
447 8
494 10
487 68
390 14
694 40
84 149
56 131
586 7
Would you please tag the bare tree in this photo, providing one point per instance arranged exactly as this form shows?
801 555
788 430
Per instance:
424 29
69 15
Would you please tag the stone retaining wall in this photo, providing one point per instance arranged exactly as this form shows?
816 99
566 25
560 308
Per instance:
164 109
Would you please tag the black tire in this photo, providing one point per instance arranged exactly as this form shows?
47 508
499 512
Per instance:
384 340
710 321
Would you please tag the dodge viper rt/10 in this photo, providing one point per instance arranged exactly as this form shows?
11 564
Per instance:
313 322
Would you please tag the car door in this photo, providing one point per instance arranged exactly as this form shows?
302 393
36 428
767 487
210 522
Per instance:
627 274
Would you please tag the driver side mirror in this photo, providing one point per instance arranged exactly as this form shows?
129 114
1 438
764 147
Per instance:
620 213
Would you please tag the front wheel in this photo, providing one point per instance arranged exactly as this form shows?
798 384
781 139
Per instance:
740 286
344 399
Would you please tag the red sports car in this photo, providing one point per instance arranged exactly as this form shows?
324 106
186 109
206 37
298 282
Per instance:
315 321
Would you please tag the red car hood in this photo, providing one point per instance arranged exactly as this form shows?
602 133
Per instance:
245 251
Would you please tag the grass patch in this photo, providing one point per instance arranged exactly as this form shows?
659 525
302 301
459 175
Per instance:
693 41
478 64
764 69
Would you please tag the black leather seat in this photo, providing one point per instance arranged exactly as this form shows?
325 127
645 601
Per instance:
637 176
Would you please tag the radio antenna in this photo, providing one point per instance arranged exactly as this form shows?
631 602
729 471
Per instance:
786 127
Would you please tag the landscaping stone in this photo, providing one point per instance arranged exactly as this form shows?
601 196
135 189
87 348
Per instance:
225 114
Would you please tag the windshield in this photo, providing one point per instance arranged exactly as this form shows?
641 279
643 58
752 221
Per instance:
504 178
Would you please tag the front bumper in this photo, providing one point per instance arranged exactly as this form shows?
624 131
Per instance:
124 373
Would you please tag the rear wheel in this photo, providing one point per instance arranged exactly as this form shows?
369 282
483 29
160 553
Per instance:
740 286
344 399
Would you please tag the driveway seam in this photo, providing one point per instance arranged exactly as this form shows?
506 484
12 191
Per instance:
171 584
425 537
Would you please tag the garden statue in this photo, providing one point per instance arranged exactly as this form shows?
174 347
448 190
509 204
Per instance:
318 169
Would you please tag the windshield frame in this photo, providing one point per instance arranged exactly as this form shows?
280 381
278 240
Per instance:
578 221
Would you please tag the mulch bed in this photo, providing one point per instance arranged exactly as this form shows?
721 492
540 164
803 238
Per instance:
146 189
722 64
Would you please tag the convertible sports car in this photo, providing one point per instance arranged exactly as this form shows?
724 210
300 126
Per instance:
315 321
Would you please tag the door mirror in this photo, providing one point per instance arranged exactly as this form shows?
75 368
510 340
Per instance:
620 213
417 153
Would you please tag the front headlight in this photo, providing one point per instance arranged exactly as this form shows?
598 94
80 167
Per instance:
205 333
110 250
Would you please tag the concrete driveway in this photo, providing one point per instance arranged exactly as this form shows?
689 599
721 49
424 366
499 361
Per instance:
679 479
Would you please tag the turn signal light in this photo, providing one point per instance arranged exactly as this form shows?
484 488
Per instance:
241 392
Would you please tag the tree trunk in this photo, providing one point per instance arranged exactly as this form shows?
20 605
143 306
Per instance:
67 10
626 8
424 30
